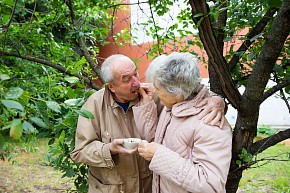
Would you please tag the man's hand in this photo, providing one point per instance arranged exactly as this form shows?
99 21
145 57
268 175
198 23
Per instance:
117 147
147 150
215 110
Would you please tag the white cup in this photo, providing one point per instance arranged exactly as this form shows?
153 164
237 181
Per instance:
131 143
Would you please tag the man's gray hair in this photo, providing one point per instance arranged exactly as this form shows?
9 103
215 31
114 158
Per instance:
177 73
107 66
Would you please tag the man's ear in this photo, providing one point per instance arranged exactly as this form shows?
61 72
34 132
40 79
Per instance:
110 87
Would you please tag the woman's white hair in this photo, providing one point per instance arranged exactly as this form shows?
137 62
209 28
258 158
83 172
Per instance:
177 73
107 66
153 67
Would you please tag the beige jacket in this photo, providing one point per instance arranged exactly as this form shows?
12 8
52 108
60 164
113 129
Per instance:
194 157
109 173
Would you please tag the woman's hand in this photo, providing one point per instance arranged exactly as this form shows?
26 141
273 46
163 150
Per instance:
146 92
147 150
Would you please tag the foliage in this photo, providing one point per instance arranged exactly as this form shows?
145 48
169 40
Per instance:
39 97
265 131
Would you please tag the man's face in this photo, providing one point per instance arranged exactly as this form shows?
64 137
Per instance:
126 81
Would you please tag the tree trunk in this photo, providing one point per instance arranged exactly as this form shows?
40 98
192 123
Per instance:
243 136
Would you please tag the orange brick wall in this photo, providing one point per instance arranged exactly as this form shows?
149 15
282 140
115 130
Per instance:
138 53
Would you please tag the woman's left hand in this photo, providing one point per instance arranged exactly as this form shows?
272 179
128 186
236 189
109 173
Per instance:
147 150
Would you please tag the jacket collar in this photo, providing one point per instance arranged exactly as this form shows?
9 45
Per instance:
187 108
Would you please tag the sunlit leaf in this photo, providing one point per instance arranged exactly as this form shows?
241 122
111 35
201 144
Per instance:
11 104
28 128
13 93
71 79
85 113
4 77
53 106
198 15
16 129
74 102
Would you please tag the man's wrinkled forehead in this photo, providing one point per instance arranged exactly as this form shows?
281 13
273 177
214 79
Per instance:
124 68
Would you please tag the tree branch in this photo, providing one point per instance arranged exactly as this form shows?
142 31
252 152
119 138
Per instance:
274 42
5 28
220 23
215 57
219 28
275 88
265 143
255 31
53 65
82 44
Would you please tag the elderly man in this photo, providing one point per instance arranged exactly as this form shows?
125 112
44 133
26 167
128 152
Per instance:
112 168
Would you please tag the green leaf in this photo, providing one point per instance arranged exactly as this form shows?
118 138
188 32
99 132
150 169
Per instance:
42 109
38 121
4 77
2 141
85 113
70 172
71 79
11 104
198 15
16 129
199 22
275 3
228 39
53 106
13 93
28 128
256 37
8 2
74 102
251 56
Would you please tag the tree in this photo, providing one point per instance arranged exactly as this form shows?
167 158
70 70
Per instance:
272 47
56 41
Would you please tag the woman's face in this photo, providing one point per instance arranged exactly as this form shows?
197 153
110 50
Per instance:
166 99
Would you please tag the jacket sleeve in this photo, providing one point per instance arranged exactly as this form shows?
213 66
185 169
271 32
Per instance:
207 168
89 149
146 119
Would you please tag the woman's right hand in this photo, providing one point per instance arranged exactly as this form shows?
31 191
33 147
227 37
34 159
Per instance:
146 92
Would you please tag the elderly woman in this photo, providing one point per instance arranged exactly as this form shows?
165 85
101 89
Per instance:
186 155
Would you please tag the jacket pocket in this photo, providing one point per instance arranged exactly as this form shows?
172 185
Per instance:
96 186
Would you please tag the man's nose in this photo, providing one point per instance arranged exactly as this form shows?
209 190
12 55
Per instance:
136 81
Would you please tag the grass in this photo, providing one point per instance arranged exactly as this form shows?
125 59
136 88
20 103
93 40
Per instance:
273 177
27 172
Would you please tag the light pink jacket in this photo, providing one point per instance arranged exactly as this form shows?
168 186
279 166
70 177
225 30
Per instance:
194 157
